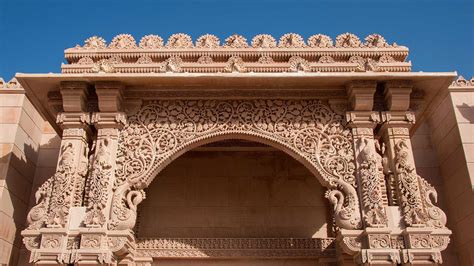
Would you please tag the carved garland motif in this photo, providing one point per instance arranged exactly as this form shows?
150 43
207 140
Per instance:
310 129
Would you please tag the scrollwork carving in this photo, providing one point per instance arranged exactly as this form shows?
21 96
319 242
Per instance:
412 206
124 207
310 129
435 216
371 174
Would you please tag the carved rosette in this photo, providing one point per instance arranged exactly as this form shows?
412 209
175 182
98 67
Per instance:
371 174
207 41
123 41
320 41
347 40
408 182
291 40
179 40
308 129
151 42
264 41
236 41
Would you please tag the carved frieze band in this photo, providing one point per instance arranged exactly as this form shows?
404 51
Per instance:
308 129
236 247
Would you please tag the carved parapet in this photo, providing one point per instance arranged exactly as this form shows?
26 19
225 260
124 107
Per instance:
424 245
49 245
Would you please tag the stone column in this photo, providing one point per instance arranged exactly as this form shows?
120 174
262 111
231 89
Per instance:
98 244
424 224
374 245
47 235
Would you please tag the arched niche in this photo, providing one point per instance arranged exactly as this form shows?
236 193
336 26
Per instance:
307 130
218 191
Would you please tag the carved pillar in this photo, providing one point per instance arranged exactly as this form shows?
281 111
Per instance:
50 220
98 244
424 222
372 246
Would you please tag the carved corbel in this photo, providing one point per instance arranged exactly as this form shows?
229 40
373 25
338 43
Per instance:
74 96
361 94
397 94
110 95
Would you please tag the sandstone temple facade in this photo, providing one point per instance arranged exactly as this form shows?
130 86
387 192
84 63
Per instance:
261 152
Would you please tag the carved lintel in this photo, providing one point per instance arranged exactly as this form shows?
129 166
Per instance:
361 94
74 96
110 95
397 94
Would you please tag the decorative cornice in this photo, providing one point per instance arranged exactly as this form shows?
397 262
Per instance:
348 54
11 87
462 84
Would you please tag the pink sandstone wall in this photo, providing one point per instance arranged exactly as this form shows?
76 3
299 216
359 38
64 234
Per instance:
234 194
452 130
23 134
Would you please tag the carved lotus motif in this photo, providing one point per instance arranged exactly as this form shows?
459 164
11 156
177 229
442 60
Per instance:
347 40
375 40
144 60
179 40
386 59
208 41
320 41
263 41
326 59
235 64
298 64
236 41
291 40
85 61
94 42
123 41
151 42
205 59
265 59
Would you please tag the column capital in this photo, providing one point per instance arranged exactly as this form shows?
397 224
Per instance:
110 95
397 119
361 94
103 120
363 119
397 94
74 96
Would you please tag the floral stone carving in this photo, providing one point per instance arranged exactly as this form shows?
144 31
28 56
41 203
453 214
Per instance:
263 41
308 130
123 41
348 40
207 41
298 64
235 64
179 40
320 41
151 42
371 174
95 42
172 64
291 40
236 41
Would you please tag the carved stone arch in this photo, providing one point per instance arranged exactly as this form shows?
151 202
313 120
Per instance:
307 130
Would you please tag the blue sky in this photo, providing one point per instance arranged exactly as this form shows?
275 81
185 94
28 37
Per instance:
34 34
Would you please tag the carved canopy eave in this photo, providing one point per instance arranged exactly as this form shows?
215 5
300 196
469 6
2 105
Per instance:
39 87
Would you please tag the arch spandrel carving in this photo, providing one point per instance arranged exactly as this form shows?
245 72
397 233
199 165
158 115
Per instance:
308 130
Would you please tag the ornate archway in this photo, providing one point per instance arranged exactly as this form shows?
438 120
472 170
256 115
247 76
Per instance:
308 130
